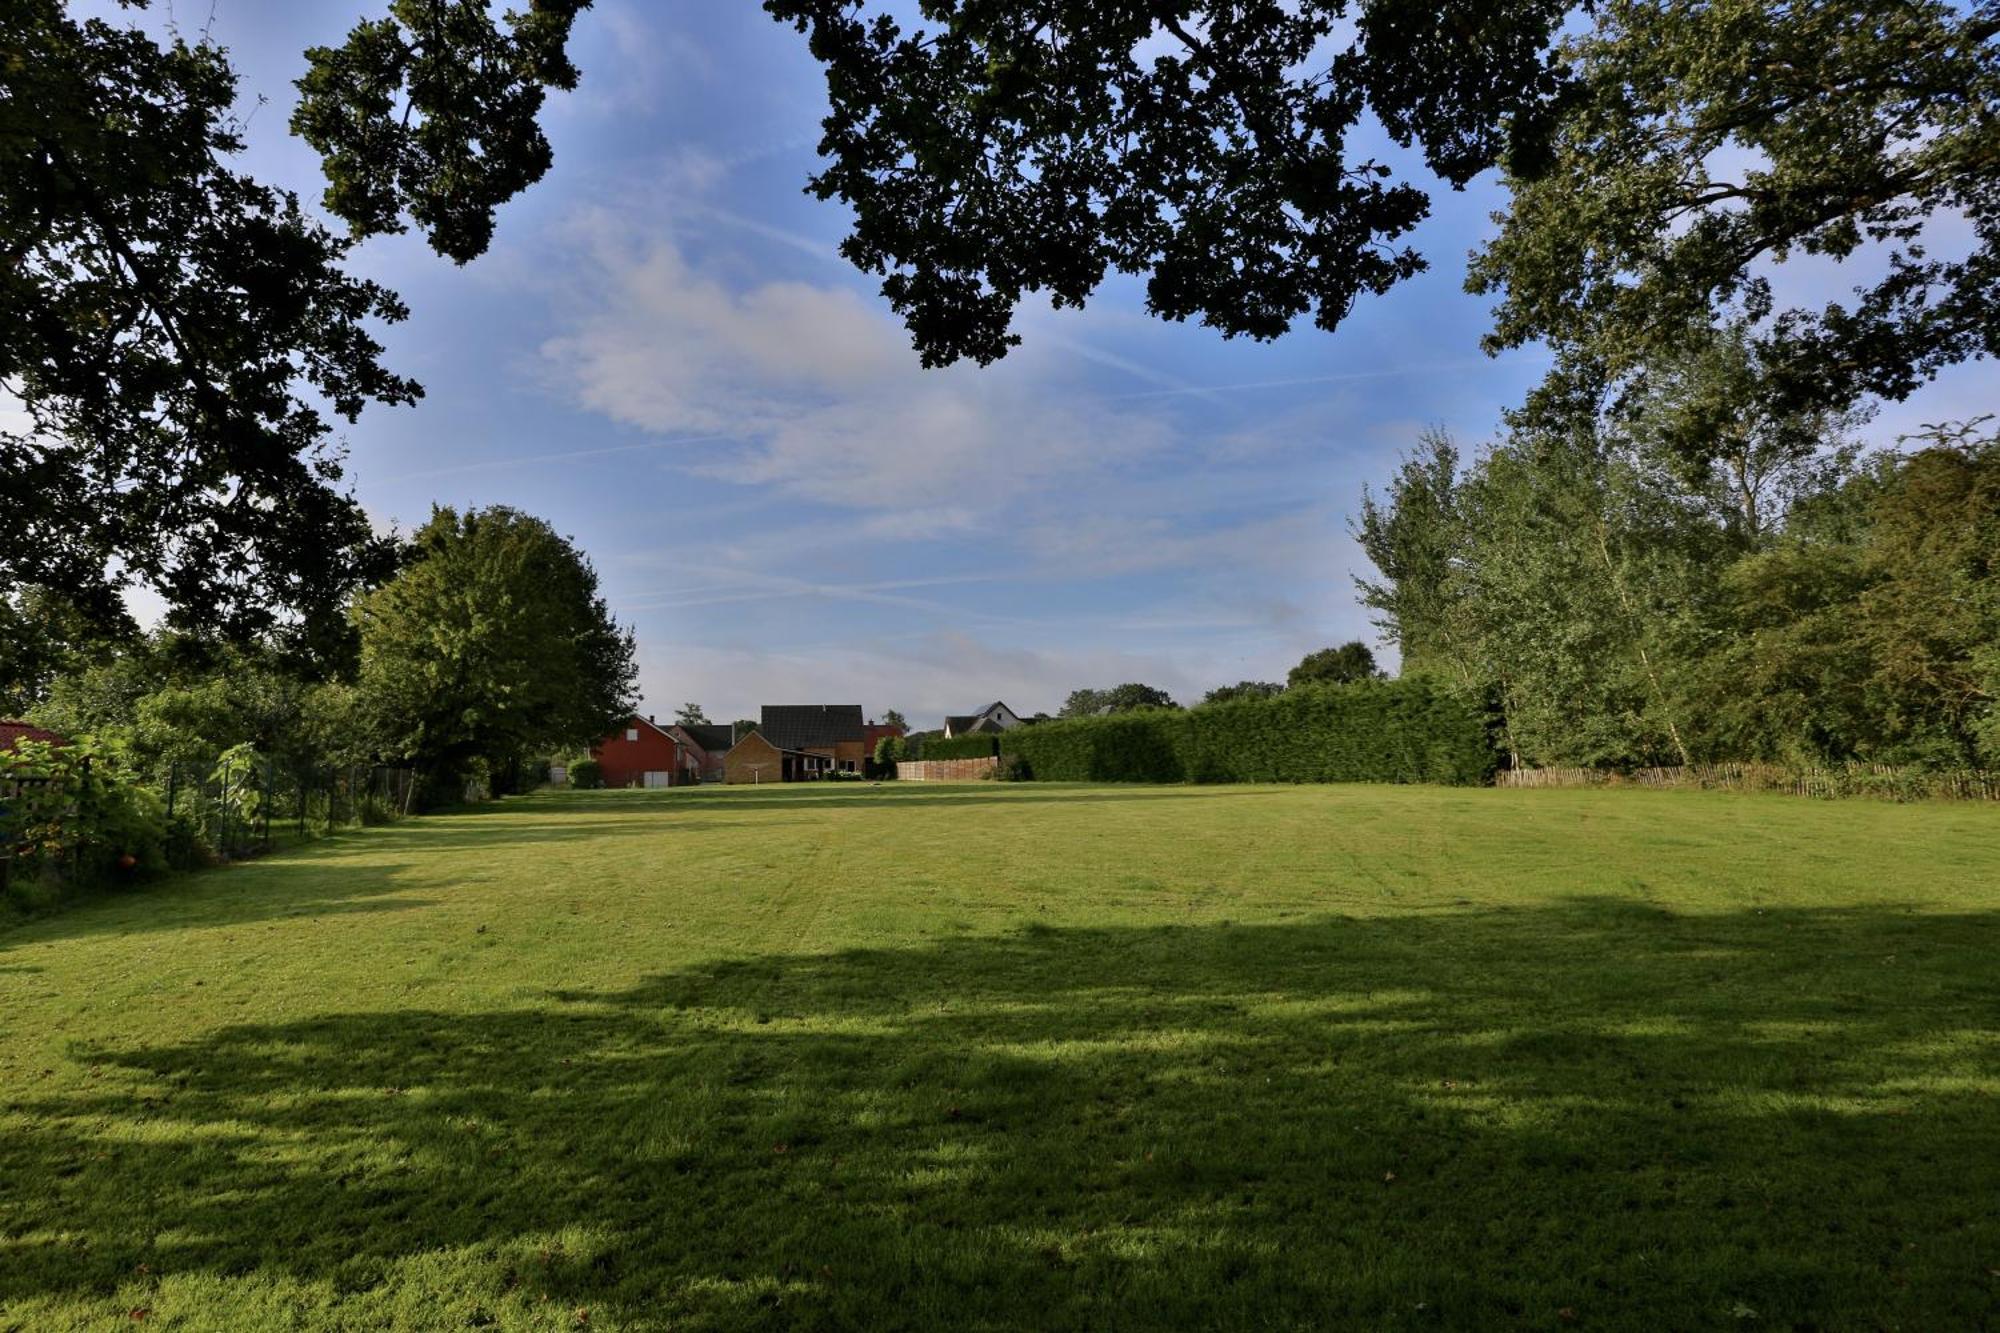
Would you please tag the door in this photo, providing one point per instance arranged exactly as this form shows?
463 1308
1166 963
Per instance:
657 778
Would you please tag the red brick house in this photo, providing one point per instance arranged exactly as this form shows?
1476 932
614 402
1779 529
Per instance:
642 754
793 743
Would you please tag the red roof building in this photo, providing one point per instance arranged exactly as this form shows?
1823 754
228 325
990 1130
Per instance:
12 732
873 732
643 754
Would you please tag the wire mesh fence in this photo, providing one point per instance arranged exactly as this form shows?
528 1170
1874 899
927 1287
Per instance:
69 817
244 804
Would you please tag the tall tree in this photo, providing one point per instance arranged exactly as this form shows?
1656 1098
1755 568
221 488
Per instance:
1416 538
892 718
173 332
1931 617
690 715
1711 413
493 642
1350 662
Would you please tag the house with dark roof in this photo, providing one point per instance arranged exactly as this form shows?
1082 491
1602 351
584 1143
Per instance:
834 734
704 746
995 717
801 742
792 743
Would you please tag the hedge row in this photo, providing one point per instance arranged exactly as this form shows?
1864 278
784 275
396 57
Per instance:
1411 730
961 747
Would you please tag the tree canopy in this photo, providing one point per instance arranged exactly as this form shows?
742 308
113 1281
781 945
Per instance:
492 642
1344 665
1117 699
174 332
1701 141
1658 151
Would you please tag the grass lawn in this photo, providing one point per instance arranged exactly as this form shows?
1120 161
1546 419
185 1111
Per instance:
1026 1057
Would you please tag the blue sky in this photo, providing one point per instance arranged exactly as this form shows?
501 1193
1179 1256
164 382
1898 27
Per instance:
663 356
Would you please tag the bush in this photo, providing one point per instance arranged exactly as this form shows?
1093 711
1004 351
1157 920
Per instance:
76 815
1410 730
962 747
586 774
1013 768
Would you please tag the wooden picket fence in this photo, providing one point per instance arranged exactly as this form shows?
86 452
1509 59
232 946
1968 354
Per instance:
1888 781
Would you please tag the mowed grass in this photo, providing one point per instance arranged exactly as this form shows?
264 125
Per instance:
1026 1057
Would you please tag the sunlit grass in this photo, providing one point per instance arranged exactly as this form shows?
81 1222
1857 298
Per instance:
994 1056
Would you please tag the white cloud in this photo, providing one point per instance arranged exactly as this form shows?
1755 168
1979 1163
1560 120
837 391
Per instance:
820 391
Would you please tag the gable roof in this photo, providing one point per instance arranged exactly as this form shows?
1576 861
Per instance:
641 720
714 737
11 732
985 720
811 726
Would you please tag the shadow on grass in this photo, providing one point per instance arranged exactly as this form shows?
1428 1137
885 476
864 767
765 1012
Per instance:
198 897
1592 1113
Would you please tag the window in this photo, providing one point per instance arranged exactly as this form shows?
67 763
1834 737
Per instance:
631 733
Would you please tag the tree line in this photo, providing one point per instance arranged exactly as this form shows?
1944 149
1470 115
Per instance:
486 649
1758 590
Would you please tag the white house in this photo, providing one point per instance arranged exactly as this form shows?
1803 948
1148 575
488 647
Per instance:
996 716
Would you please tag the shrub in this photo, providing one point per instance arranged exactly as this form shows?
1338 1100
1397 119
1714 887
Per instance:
586 774
889 751
1410 730
75 814
1013 768
962 747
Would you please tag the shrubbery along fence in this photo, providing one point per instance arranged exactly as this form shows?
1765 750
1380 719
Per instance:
982 746
79 813
1407 730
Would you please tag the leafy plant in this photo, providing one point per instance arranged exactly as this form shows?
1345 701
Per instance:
74 811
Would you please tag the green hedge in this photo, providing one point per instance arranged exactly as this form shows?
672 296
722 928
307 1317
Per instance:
961 747
1412 730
